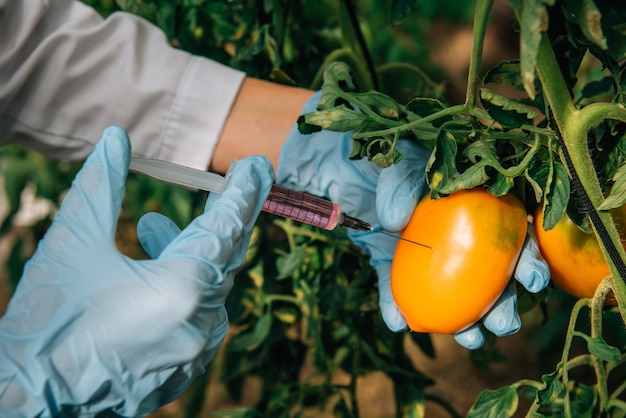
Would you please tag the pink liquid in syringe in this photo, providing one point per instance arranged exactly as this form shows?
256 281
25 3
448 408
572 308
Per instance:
301 207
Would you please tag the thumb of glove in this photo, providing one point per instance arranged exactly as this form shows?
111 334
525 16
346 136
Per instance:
155 232
389 310
91 208
401 186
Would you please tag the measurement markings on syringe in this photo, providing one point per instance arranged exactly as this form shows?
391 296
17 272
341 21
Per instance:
298 206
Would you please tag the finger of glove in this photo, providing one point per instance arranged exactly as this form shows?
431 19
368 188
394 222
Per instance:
155 232
471 338
503 318
91 208
392 316
401 185
221 234
532 271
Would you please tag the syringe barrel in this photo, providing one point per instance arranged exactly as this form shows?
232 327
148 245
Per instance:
301 207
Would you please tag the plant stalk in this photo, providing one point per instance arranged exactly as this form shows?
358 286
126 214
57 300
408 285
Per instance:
574 125
482 11
597 305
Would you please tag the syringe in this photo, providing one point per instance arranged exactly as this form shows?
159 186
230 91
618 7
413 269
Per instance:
281 201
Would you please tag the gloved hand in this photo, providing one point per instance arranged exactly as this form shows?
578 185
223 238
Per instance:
318 164
90 330
533 273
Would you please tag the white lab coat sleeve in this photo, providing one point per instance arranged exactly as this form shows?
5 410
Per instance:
66 74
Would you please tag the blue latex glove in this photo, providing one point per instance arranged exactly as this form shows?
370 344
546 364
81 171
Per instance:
318 164
533 273
90 330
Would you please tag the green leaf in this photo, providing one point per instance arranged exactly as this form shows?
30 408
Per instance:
386 160
577 214
270 47
537 174
305 128
600 349
552 389
614 27
502 185
617 196
584 399
286 315
597 87
534 21
333 293
506 73
337 80
474 176
441 166
357 149
557 196
251 340
425 106
288 265
338 119
498 403
586 15
308 304
507 112
380 103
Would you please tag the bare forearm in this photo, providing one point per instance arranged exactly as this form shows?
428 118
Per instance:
259 123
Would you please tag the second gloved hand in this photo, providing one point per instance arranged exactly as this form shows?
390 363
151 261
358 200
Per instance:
90 330
318 164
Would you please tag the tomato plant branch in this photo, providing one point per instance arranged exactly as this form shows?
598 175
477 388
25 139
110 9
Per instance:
595 113
618 404
565 365
437 89
348 56
348 7
448 111
283 298
482 11
574 125
597 304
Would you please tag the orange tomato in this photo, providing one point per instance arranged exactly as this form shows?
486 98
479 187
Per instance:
575 258
475 240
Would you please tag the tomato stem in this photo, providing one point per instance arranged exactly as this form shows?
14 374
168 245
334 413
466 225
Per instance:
482 10
571 331
597 305
574 125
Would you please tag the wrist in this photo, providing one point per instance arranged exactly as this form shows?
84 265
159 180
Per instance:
259 123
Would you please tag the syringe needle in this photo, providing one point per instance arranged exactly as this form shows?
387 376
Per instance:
402 238
355 223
